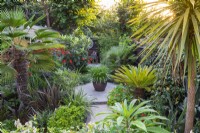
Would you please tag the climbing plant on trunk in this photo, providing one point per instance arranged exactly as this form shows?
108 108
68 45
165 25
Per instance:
24 49
176 34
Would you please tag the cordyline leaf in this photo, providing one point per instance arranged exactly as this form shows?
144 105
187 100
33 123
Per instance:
180 32
184 33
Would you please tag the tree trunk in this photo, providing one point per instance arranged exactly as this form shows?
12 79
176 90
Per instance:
20 64
46 11
26 9
191 99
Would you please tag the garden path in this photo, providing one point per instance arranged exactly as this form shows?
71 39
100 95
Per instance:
99 100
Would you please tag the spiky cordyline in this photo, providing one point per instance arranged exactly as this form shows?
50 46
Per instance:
180 31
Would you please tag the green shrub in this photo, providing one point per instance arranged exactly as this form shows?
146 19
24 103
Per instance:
119 55
66 79
8 125
79 98
134 118
85 78
66 117
41 119
118 94
76 55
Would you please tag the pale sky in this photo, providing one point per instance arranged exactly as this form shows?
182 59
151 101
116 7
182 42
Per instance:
106 4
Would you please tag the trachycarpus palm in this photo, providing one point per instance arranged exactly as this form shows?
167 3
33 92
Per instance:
24 51
180 31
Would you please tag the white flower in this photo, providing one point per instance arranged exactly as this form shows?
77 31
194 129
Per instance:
18 123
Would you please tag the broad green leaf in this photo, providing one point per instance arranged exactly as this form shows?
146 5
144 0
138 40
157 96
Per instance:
140 125
156 130
119 120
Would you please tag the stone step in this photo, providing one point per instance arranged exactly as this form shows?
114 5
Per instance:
95 96
92 118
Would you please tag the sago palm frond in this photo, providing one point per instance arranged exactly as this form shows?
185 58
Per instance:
141 77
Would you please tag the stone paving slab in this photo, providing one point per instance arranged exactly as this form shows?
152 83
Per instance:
92 118
97 97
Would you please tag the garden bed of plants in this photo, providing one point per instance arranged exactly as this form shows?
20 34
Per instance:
151 55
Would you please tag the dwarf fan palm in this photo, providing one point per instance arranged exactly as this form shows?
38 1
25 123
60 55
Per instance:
177 35
24 51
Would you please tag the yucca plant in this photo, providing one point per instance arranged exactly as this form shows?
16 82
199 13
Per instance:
134 118
137 78
24 51
176 35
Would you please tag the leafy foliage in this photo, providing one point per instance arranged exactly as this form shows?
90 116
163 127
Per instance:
85 78
76 55
120 55
118 94
172 105
177 36
136 77
67 116
106 30
78 13
134 118
125 13
15 36
8 125
99 74
41 119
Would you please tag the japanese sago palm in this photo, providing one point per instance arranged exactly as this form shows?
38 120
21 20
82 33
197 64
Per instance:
177 35
137 78
24 51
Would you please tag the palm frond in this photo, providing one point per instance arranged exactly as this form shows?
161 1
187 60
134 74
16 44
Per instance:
13 18
141 77
42 62
7 73
179 30
46 33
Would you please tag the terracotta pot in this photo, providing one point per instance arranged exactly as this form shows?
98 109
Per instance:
99 86
139 93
